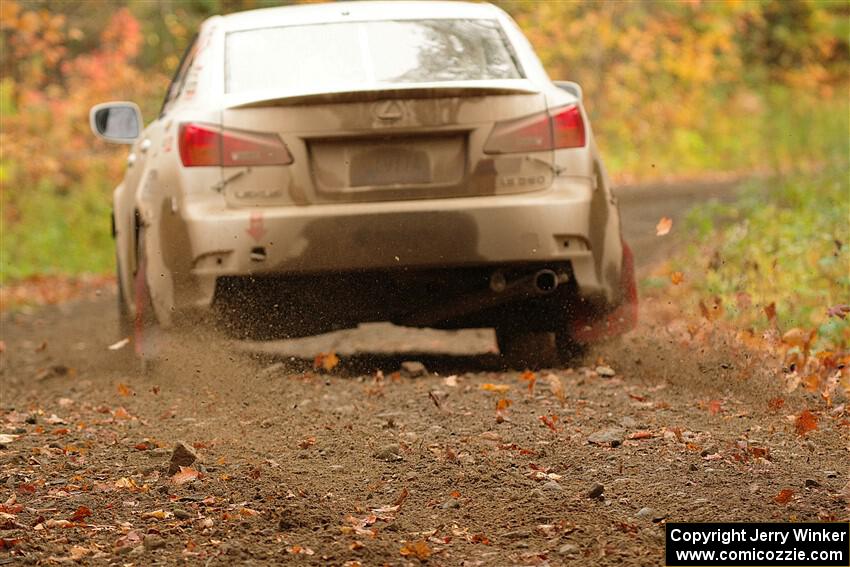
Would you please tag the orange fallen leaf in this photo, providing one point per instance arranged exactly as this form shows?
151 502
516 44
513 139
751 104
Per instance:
455 494
326 360
677 277
80 514
784 496
663 227
503 404
529 377
418 549
299 550
642 435
498 388
308 442
805 422
186 474
715 407
549 421
124 390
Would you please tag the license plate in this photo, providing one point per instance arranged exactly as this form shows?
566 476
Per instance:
389 165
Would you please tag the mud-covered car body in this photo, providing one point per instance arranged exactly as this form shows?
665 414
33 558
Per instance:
318 166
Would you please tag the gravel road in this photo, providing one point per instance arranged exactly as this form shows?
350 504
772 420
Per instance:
367 465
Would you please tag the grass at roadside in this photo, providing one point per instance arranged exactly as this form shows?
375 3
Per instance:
784 244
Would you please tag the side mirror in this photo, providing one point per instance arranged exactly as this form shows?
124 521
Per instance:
118 122
571 87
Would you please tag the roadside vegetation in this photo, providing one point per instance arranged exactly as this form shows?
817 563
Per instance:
675 91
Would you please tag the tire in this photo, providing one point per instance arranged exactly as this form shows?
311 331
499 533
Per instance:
568 348
125 318
522 349
145 329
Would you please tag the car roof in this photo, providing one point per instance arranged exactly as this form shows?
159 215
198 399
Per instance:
306 14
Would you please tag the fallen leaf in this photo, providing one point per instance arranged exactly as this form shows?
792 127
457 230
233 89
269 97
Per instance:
78 552
556 387
715 407
80 514
677 277
529 377
663 227
641 435
498 388
125 482
157 514
775 403
418 549
124 390
186 474
805 422
450 381
784 496
299 550
306 443
549 421
6 438
326 360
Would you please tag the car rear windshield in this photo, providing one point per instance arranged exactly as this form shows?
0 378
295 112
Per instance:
355 54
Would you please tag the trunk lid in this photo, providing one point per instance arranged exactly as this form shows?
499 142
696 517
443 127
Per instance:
419 141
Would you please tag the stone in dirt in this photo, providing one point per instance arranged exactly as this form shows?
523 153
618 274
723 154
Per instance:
568 549
596 491
605 371
645 513
388 453
613 435
183 455
153 541
413 369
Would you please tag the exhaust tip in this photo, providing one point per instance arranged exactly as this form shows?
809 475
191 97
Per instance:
546 281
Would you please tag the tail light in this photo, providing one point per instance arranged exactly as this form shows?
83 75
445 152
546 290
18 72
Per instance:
557 129
206 144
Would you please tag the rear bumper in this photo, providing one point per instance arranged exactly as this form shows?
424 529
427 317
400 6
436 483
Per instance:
548 226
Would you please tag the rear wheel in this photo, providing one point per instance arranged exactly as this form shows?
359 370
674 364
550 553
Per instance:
143 324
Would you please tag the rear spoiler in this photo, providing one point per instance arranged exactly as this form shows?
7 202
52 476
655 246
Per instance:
381 91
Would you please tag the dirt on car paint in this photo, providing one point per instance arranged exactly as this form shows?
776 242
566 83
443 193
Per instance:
330 450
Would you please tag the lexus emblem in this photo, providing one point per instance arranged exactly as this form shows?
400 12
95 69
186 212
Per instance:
389 110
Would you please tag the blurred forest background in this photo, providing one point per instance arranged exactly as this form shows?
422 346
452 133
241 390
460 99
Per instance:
676 90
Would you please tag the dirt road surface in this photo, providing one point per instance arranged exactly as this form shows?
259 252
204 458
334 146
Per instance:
364 465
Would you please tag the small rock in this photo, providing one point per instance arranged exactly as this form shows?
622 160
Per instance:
596 491
810 482
710 450
605 371
450 504
153 541
413 369
645 513
610 435
629 422
517 534
388 453
552 485
830 474
568 549
181 514
183 455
